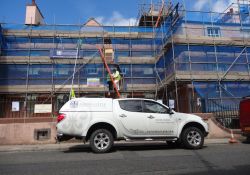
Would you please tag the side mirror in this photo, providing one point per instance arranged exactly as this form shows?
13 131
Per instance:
170 111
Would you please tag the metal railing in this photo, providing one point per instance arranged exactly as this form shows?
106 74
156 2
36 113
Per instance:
226 114
26 109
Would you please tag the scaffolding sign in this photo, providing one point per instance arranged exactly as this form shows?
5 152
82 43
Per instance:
64 54
93 82
15 106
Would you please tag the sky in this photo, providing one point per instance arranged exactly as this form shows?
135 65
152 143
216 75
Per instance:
107 12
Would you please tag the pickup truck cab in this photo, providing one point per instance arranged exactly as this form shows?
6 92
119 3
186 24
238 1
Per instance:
245 117
101 121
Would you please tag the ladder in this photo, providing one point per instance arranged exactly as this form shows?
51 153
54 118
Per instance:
160 14
108 70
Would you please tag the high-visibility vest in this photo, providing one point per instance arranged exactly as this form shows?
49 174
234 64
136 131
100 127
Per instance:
72 94
117 75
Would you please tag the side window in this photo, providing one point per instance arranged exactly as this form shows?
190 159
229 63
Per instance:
131 105
153 107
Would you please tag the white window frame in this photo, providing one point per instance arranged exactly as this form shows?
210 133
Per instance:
213 31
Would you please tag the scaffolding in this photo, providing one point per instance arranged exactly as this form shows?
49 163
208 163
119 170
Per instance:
39 60
205 60
195 58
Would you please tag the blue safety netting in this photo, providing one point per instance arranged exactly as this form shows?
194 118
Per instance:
78 28
208 58
39 46
44 73
168 28
244 13
132 47
1 39
59 40
216 95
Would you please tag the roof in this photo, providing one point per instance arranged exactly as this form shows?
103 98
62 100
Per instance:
92 22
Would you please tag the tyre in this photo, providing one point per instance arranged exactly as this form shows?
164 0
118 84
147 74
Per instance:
101 141
192 138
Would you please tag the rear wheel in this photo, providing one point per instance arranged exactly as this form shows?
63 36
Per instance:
192 138
101 141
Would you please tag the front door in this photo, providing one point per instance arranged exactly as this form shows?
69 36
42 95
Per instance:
160 122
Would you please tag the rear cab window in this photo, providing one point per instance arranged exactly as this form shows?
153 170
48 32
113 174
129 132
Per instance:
131 105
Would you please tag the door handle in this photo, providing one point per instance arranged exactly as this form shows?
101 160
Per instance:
151 117
122 115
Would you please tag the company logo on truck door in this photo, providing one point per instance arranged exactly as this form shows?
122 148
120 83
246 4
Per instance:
141 132
93 105
75 104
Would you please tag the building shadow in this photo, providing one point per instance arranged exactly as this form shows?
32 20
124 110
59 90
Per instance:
235 170
127 147
246 141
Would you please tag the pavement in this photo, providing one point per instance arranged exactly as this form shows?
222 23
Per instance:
79 145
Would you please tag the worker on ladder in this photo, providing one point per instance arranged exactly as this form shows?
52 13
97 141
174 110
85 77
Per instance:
110 84
117 77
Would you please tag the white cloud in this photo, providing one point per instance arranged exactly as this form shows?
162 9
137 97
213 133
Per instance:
116 19
100 19
200 4
217 5
221 6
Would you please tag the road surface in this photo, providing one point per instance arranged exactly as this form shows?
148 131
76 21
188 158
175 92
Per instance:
132 159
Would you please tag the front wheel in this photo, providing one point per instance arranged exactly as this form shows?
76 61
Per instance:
101 141
193 138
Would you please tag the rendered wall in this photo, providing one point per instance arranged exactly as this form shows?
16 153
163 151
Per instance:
24 133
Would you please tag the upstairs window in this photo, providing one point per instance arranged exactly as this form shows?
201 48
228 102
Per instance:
92 70
213 31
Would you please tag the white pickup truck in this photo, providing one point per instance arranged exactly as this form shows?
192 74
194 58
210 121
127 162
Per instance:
103 120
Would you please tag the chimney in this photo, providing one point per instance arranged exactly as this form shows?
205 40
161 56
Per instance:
33 14
33 2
